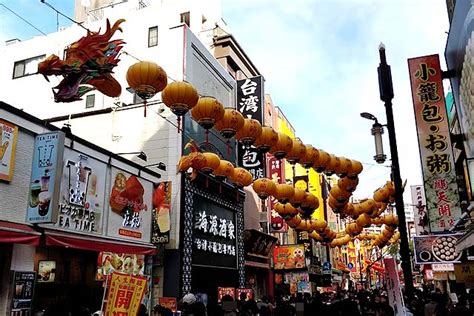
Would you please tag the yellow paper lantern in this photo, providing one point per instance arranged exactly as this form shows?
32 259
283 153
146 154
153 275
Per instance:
212 162
282 146
225 170
230 123
284 192
266 140
249 132
207 112
264 187
241 177
180 97
297 151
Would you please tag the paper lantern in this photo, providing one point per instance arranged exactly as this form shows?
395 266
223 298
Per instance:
241 177
282 146
225 170
249 132
364 220
311 155
305 224
344 166
333 164
207 111
287 211
348 184
356 168
146 78
297 151
340 194
180 97
293 222
211 163
321 161
309 204
230 123
319 225
266 140
284 192
298 197
264 187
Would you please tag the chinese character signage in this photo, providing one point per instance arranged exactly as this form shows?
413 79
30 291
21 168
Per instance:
465 274
422 226
168 302
130 212
248 293
23 291
250 101
442 199
46 174
276 172
8 137
394 291
81 202
289 257
214 235
161 213
109 262
223 291
125 294
436 249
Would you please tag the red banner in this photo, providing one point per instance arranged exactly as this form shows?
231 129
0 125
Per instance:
276 172
125 294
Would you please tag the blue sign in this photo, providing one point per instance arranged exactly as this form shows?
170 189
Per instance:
350 265
46 172
327 266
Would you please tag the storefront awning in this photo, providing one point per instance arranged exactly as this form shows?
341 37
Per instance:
93 243
18 234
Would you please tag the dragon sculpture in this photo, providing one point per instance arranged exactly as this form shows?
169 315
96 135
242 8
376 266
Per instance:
87 66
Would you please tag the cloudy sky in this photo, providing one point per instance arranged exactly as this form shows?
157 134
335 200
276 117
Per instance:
319 59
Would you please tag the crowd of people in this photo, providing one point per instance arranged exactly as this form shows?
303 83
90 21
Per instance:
362 303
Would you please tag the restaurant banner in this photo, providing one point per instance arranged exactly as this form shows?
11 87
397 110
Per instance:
161 213
436 249
109 262
130 206
23 291
276 172
422 224
250 100
168 302
82 193
296 277
248 293
46 174
125 294
394 292
289 257
439 177
223 291
8 139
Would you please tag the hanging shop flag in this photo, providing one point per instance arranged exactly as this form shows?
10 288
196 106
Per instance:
161 213
422 226
125 294
439 177
8 137
395 298
276 172
250 100
46 174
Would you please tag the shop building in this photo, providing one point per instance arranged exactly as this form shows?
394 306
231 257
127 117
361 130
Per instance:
65 204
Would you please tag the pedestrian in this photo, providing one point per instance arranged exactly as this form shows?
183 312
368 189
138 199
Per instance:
430 306
190 306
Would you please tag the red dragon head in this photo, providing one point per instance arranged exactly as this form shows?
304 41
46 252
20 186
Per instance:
88 65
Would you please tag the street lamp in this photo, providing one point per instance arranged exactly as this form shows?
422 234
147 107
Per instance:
386 95
377 131
140 154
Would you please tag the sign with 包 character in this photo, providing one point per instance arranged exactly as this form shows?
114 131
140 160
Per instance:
250 98
439 177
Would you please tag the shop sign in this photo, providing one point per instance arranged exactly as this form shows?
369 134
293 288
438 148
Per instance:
161 213
439 177
422 225
443 267
125 294
46 271
436 249
130 211
214 235
248 293
295 277
258 243
46 174
352 257
81 202
276 172
327 268
465 274
23 291
250 100
8 139
394 291
289 257
304 287
223 291
302 238
109 262
168 302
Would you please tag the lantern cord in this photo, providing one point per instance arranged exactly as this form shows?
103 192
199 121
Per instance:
59 12
144 108
24 20
294 171
179 124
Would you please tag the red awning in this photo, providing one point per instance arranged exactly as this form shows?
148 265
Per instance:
18 234
86 242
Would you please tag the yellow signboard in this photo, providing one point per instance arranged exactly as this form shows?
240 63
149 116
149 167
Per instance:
465 274
125 294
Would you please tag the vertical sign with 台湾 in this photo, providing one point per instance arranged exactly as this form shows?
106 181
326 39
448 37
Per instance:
439 177
250 98
8 137
276 172
46 174
422 226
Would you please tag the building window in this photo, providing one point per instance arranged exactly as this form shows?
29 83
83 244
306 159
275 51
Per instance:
153 36
26 67
90 101
186 18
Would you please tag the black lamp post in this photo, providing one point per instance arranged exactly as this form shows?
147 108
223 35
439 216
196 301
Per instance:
386 95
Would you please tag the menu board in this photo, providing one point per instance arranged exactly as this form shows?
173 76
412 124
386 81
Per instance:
23 290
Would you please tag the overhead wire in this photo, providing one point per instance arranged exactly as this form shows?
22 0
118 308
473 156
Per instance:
23 19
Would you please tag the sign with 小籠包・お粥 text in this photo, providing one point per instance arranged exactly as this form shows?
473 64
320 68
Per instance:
439 176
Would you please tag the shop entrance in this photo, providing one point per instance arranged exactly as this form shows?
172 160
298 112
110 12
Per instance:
66 282
207 280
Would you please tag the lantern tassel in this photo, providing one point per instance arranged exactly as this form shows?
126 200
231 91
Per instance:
144 108
228 147
179 124
207 138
